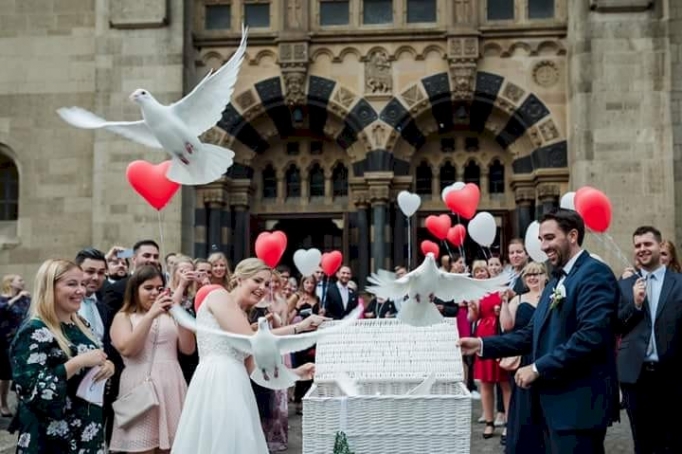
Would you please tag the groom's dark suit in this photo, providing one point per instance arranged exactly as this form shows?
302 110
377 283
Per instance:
573 346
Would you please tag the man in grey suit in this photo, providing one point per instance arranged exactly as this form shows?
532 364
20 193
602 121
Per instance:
650 318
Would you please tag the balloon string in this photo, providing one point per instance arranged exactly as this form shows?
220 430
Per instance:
452 259
617 249
409 244
163 246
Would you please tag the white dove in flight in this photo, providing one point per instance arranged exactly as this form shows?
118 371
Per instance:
267 348
177 127
428 280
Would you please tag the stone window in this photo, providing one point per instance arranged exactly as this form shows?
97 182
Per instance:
377 12
9 190
500 10
472 173
447 145
334 12
496 177
217 17
316 148
421 11
257 14
316 181
423 177
448 175
293 148
540 9
293 177
269 182
340 180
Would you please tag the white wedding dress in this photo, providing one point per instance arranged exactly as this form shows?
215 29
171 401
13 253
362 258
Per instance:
220 415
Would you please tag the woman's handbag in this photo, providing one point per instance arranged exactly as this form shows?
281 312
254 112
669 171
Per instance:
141 399
510 363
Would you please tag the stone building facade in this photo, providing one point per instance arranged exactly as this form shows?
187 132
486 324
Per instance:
340 105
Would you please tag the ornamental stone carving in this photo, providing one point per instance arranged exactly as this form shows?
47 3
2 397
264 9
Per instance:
294 85
378 76
546 73
462 57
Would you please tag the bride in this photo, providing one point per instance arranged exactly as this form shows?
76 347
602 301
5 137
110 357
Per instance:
220 415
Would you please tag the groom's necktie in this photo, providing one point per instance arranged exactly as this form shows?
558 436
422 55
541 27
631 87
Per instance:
652 308
558 273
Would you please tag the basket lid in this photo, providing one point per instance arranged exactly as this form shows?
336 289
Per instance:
387 349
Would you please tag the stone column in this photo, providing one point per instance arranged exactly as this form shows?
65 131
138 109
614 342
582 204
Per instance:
215 214
361 204
240 198
401 233
379 190
548 196
525 199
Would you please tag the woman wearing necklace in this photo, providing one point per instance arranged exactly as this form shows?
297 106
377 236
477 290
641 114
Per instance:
522 434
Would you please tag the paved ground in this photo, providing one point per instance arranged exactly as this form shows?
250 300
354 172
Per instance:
618 439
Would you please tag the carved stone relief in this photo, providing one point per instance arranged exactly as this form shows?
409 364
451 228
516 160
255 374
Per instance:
344 97
413 95
294 84
378 76
549 130
513 92
546 73
378 135
462 57
246 100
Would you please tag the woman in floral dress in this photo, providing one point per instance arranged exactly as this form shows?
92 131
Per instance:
51 354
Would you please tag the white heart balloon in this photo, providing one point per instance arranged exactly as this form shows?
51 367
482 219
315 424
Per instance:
409 203
568 201
483 229
457 186
532 243
307 261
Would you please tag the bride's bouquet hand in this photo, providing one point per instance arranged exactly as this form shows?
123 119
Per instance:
306 371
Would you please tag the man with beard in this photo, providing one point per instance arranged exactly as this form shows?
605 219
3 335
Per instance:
340 300
572 338
650 348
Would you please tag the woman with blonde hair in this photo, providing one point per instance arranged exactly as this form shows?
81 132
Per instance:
148 339
51 354
669 256
220 414
220 269
14 304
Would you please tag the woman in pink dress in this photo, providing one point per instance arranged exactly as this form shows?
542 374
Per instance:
144 333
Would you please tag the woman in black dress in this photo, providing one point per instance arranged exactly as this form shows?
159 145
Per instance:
523 435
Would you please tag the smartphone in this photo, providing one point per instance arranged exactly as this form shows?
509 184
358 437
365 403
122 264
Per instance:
125 254
306 312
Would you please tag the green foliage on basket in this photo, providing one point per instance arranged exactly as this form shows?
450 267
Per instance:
341 444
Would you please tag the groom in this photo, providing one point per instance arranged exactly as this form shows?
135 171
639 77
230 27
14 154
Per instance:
572 338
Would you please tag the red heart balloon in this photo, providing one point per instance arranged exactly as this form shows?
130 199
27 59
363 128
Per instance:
465 201
594 207
430 247
331 262
270 247
438 225
150 182
456 235
203 293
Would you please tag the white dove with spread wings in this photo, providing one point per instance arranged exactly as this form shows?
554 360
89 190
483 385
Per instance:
267 348
427 280
176 128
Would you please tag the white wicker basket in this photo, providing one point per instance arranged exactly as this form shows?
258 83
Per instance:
387 359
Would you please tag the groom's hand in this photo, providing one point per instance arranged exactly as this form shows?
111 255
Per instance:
525 376
470 345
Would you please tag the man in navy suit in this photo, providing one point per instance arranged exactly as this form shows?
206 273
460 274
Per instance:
572 338
651 347
340 300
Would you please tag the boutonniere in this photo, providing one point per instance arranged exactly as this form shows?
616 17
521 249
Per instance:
558 296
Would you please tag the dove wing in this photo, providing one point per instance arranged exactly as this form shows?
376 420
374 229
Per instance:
460 287
202 108
136 131
388 287
298 342
185 319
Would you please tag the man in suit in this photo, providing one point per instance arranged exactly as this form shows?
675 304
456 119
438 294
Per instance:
340 300
96 313
145 252
572 339
651 347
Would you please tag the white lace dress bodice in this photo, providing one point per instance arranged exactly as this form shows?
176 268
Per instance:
210 345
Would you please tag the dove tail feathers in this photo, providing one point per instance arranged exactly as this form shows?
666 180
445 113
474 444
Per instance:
183 318
419 314
205 166
286 378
